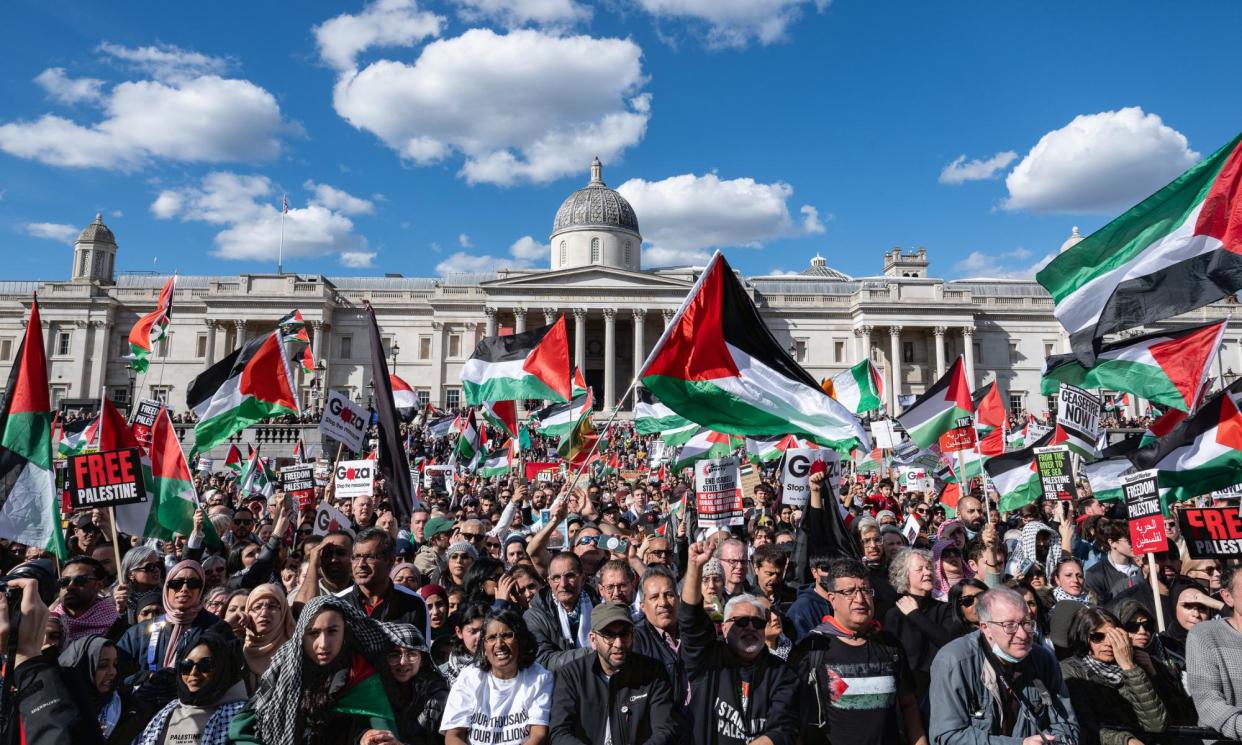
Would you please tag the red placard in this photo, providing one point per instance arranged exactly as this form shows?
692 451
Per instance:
1212 532
533 469
1142 497
958 439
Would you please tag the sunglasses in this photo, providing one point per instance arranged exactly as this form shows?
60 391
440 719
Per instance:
204 666
473 536
148 568
749 622
80 580
591 539
1134 627
1097 636
967 601
193 583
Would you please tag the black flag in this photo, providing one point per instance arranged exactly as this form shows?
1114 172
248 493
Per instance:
393 463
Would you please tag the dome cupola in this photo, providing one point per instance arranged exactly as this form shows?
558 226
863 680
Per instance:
596 226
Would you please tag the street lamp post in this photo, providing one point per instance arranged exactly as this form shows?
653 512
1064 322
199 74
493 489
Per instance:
316 386
396 349
133 379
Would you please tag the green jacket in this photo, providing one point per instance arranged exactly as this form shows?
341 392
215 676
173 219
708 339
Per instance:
242 729
1111 715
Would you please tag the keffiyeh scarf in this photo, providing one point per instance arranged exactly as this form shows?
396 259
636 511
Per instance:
1110 672
95 621
215 732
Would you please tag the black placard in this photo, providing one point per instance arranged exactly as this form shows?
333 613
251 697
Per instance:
105 479
297 478
1056 472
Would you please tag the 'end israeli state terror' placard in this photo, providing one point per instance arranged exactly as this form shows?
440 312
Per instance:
1056 472
105 479
717 499
1142 498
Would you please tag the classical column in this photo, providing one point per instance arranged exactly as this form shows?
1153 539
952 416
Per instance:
864 342
80 345
640 354
491 321
894 340
610 357
939 332
580 339
239 335
211 339
99 358
437 360
549 316
519 320
968 349
668 314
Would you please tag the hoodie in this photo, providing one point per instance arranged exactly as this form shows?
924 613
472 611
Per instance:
808 611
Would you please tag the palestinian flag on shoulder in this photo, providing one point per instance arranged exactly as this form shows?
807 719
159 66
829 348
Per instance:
364 694
652 417
77 436
1177 250
151 328
941 408
705 444
404 398
1167 367
532 364
717 364
251 384
233 460
1014 476
859 389
29 503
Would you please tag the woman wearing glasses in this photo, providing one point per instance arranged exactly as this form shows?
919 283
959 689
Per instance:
210 692
962 599
417 690
141 571
268 625
157 644
1113 694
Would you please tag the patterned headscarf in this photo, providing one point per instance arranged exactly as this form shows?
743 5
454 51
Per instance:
259 648
940 590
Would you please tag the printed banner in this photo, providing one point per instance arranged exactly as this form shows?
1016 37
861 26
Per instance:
1212 532
355 478
717 497
797 467
959 438
144 420
343 421
105 479
1078 416
1142 497
1056 472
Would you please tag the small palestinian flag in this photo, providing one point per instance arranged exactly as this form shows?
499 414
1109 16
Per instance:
859 389
557 419
151 328
1168 368
233 461
869 463
579 438
502 415
253 383
257 478
1162 426
773 448
990 412
1177 250
297 341
30 509
1014 476
468 446
404 398
943 407
532 364
652 417
1107 475
705 444
497 463
579 385
299 452
441 427
717 364
78 436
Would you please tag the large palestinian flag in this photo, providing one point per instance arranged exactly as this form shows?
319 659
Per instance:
555 420
1167 368
532 364
253 383
941 408
1202 454
652 417
717 364
30 512
677 437
705 444
151 328
1014 476
1177 250
859 389
404 398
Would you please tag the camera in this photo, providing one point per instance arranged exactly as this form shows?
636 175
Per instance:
40 570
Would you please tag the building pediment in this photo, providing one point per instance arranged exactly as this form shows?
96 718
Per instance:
589 277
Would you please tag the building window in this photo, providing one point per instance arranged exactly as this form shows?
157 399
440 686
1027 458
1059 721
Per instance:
800 350
627 252
1050 403
423 395
386 345
454 346
345 348
59 393
120 396
424 347
6 350
1014 355
161 393
452 398
838 351
595 250
1015 403
64 343
1049 349
200 346
564 253
161 347
907 351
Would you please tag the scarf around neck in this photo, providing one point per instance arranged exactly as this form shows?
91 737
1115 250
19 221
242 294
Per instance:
259 648
583 640
1110 672
178 620
95 620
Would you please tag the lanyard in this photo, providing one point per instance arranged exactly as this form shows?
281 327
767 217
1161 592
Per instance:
152 646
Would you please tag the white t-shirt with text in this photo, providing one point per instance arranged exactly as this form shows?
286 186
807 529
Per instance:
498 712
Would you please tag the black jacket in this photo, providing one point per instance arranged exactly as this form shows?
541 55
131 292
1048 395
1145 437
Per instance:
399 606
50 713
544 622
647 641
1107 583
635 705
922 633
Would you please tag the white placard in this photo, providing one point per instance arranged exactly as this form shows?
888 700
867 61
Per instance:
355 478
343 421
911 530
329 518
718 498
796 469
883 434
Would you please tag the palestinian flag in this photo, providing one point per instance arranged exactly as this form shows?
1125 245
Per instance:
297 341
1107 474
717 364
773 448
869 463
523 441
497 463
171 498
257 478
1203 454
578 439
30 509
990 411
579 385
299 452
556 419
1014 476
859 389
943 407
677 437
1162 426
251 384
469 446
1168 368
77 436
364 694
438 428
404 398
1016 439
652 417
705 444
503 415
993 443
151 328
964 465
1115 405
233 461
532 364
949 497
1177 250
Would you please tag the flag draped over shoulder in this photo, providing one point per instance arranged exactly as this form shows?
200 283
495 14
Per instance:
1177 250
532 364
151 328
249 385
1167 367
394 463
718 365
859 389
30 508
941 408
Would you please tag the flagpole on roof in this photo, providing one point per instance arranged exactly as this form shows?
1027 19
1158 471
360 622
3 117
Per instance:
280 252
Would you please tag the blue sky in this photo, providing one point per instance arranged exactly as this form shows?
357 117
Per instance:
440 136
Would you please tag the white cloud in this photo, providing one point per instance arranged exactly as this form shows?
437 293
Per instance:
684 216
524 253
513 13
336 199
527 106
734 23
461 262
960 170
246 209
464 241
167 62
64 89
357 259
1002 265
527 249
53 231
1099 163
383 23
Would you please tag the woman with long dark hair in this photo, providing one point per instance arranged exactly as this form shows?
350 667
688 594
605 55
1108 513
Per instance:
1140 626
416 688
963 600
467 626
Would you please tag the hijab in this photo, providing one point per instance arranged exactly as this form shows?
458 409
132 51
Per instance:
226 671
940 588
180 620
1175 630
80 660
259 649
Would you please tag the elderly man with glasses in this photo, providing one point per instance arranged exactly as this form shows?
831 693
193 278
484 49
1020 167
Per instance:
997 685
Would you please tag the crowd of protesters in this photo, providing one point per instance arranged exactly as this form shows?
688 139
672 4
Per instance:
508 611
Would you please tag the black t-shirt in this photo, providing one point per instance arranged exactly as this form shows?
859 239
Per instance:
859 689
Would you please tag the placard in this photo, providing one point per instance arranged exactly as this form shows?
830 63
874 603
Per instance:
1211 532
718 501
205 465
1056 472
1078 416
329 518
883 435
961 437
355 478
541 470
105 479
1142 498
297 479
1229 492
144 419
343 421
1035 430
905 451
797 467
656 452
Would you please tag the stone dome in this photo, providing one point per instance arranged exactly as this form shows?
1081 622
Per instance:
595 206
819 268
1073 240
96 232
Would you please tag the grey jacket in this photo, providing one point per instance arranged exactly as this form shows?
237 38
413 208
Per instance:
966 698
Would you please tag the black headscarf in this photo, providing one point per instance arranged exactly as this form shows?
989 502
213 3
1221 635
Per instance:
80 660
226 670
136 602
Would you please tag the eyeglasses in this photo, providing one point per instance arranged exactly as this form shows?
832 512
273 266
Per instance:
748 622
1134 627
966 600
368 558
192 583
80 580
613 589
1011 627
503 636
474 537
850 592
204 666
265 606
397 656
242 521
588 539
147 568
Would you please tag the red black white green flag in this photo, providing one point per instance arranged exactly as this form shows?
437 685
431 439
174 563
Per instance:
532 364
990 411
941 408
297 341
404 398
233 460
1014 476
151 328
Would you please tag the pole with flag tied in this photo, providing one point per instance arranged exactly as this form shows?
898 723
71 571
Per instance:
393 462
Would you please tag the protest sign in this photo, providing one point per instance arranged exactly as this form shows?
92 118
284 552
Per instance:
883 435
961 437
434 476
1212 532
905 452
1142 499
299 482
1056 472
541 470
717 499
205 465
105 479
910 529
355 478
797 467
343 421
1078 416
1229 492
144 420
329 518
1035 430
656 453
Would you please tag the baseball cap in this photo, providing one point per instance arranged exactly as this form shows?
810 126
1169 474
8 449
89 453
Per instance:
606 614
437 525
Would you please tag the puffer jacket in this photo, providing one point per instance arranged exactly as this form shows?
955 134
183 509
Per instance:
544 622
1110 715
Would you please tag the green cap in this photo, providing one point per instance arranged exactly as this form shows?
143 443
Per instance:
606 614
435 526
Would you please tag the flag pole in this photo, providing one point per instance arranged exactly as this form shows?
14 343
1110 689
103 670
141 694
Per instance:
280 252
595 445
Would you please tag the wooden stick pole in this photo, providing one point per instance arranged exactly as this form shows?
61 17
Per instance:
116 542
1152 570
